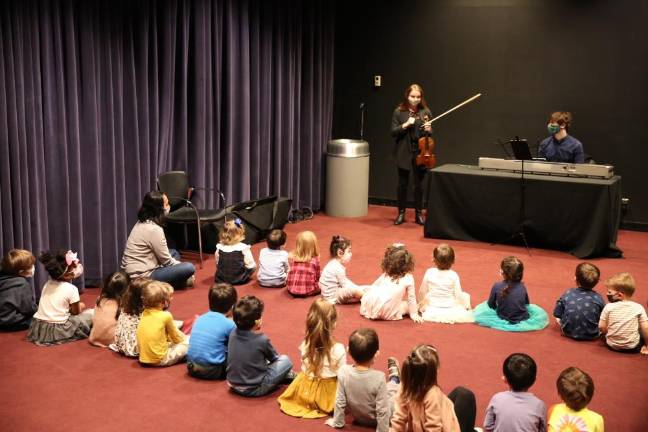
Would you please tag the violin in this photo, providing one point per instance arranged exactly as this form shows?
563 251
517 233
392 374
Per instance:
426 157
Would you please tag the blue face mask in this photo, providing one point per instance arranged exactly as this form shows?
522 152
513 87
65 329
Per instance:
553 129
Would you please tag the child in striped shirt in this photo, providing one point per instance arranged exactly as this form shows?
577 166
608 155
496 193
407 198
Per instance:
623 321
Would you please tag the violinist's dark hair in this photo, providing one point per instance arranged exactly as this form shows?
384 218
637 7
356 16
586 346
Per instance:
338 243
152 208
404 105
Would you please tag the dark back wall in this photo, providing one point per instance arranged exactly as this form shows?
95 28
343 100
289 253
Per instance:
527 57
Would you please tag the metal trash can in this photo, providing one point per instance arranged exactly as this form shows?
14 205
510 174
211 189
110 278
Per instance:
347 178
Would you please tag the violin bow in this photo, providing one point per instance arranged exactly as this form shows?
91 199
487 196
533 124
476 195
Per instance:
454 108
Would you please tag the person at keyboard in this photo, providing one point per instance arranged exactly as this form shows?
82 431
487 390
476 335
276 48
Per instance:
560 146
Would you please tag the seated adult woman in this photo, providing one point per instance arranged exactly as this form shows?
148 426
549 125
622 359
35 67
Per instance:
146 253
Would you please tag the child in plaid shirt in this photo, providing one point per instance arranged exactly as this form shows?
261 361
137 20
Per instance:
304 272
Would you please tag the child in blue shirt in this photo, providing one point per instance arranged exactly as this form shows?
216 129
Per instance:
579 309
207 355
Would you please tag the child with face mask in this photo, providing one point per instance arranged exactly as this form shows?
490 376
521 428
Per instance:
17 305
334 284
623 321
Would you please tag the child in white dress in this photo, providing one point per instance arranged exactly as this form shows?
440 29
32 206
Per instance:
442 299
384 299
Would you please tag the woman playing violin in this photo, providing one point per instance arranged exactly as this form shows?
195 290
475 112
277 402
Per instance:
407 127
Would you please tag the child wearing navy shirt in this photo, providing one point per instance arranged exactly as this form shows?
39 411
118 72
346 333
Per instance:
253 366
207 355
578 310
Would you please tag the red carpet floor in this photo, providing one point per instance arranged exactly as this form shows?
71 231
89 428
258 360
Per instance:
80 387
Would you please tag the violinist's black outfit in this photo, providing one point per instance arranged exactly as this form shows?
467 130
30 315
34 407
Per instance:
405 151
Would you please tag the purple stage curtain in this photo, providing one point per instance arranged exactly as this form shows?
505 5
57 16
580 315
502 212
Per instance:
99 97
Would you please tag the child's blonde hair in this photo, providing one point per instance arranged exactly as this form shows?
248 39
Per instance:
318 341
397 261
622 282
233 232
156 294
306 247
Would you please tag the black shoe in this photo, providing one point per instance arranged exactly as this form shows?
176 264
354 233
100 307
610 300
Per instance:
400 218
419 218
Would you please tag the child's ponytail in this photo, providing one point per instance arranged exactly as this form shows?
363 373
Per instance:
512 272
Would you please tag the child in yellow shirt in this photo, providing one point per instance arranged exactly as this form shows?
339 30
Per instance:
576 389
160 342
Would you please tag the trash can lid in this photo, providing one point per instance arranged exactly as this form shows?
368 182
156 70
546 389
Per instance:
345 147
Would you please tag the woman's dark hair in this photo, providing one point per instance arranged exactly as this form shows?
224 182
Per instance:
152 208
131 302
114 286
404 105
54 262
512 272
419 372
338 243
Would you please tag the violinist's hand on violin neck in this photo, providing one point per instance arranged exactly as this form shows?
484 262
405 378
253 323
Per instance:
410 121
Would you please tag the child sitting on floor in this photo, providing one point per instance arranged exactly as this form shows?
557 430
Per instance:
442 299
207 355
304 272
384 299
333 282
159 340
129 318
312 393
508 305
578 310
234 261
17 305
576 389
273 261
623 321
517 409
421 406
106 313
253 366
61 316
361 390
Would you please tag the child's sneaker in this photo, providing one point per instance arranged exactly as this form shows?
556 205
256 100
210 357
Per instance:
393 369
290 376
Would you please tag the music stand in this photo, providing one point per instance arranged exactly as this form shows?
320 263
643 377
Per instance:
521 150
522 153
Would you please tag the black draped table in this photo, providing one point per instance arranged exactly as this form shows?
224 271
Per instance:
575 215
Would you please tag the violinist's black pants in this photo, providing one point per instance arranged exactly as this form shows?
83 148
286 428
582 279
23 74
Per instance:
403 182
